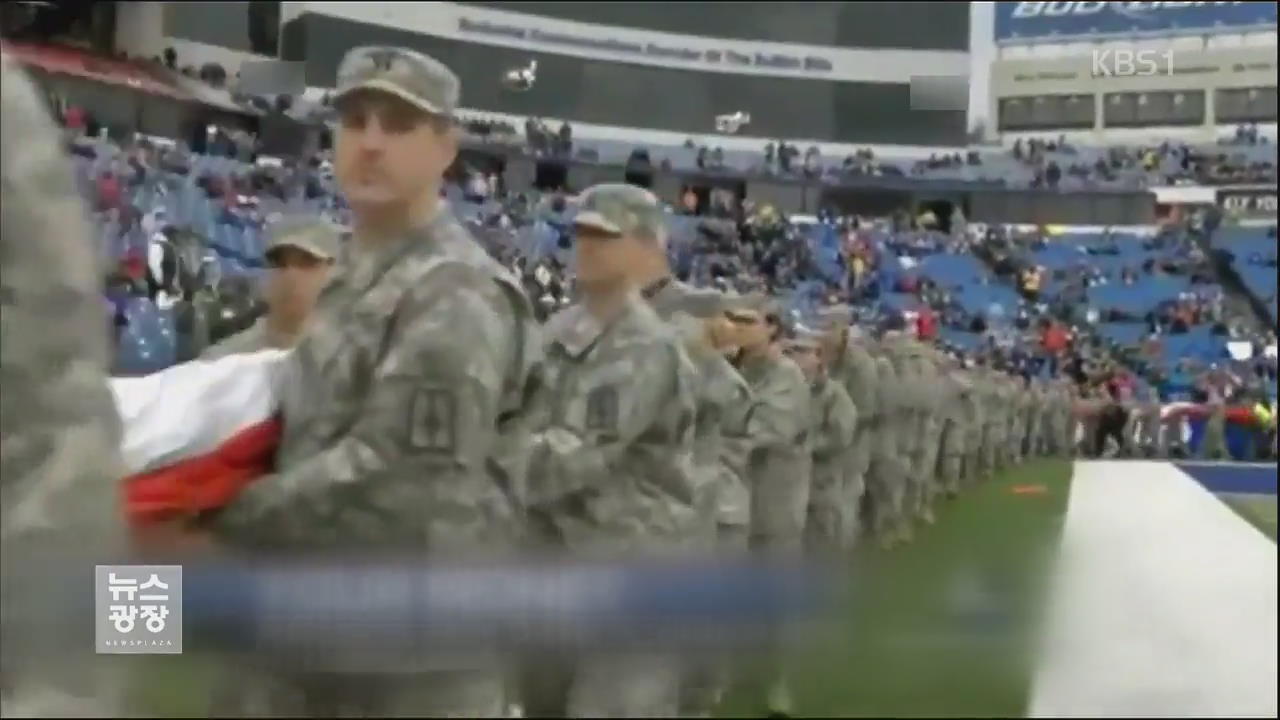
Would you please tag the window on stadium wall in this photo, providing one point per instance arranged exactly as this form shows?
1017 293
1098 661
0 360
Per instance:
1141 109
1047 112
251 27
912 26
610 93
1245 104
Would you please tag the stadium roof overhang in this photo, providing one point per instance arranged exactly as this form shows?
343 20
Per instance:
70 61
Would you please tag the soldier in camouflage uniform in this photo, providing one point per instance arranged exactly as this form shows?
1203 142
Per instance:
885 477
834 422
1035 423
847 361
975 430
1068 420
300 253
724 398
613 470
724 406
1003 410
59 433
1020 427
780 463
908 428
731 401
931 386
405 403
992 414
955 414
951 425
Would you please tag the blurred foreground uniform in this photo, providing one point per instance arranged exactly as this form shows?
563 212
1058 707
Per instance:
405 408
59 434
613 472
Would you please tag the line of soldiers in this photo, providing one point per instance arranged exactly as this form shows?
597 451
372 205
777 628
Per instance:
426 409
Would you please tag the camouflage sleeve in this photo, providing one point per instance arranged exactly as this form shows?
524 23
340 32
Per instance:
735 447
844 418
862 392
781 415
427 419
660 414
59 460
838 424
249 340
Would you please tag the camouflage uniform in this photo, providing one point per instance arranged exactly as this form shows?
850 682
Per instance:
315 237
933 410
834 423
779 472
59 433
405 409
885 481
909 429
954 409
724 401
614 472
855 369
780 463
993 412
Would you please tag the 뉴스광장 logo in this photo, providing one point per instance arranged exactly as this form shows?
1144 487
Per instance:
138 609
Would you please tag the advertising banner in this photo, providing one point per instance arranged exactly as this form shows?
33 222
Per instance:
1041 22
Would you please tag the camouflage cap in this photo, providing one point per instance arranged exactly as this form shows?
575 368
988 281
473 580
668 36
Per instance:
706 303
411 76
804 338
835 316
314 236
619 209
758 302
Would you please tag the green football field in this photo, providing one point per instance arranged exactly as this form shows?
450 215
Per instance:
939 627
943 626
1259 510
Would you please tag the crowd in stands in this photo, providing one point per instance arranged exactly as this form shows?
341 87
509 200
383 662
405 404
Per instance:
1106 306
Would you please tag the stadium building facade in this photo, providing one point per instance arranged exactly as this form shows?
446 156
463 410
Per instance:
1105 72
837 73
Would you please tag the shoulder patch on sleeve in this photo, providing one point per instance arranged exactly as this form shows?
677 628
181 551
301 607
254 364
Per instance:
433 424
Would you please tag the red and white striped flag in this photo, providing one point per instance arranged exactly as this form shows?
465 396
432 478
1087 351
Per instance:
196 434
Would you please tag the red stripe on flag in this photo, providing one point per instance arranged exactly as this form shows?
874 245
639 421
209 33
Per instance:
202 483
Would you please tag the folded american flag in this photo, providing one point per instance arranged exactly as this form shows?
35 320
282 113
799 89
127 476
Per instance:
196 434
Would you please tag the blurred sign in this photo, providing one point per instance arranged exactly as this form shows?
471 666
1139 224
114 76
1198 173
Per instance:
1249 203
1041 22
